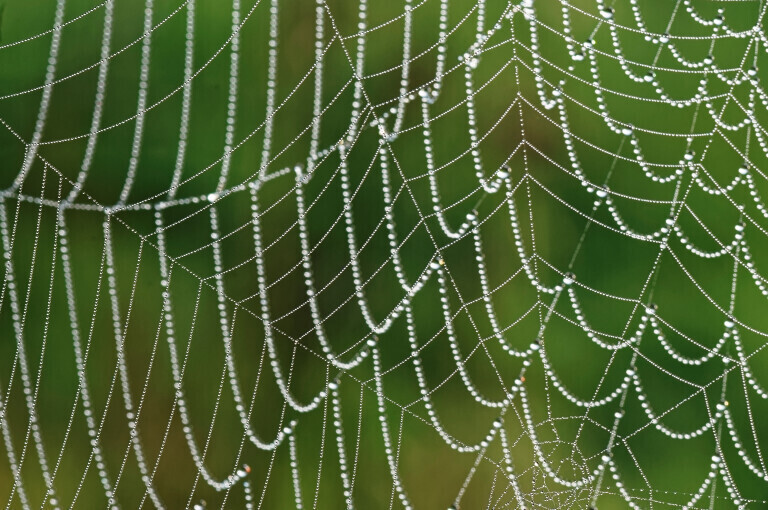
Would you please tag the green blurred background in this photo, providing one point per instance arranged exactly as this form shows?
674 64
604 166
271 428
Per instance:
553 206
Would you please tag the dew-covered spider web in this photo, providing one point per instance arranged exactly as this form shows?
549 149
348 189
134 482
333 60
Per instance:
383 254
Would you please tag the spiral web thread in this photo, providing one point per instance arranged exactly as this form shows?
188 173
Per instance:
161 288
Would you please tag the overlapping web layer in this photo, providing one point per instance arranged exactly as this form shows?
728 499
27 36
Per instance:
321 261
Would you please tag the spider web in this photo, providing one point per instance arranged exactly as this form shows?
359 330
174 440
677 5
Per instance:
438 254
